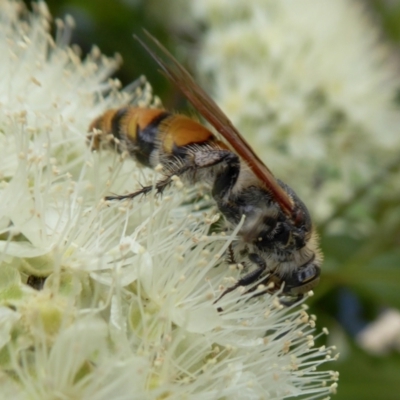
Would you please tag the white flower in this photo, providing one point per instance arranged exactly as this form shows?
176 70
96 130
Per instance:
126 311
311 87
381 335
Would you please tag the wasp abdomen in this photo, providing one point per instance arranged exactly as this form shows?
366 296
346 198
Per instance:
152 135
133 129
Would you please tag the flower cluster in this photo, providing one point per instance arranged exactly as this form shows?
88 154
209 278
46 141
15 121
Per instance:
101 301
310 86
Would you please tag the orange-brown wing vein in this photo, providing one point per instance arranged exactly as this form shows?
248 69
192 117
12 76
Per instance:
207 107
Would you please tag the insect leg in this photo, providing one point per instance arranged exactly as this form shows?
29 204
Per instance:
200 159
226 178
286 299
159 186
249 278
230 258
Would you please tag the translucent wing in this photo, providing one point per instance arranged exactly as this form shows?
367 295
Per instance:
207 107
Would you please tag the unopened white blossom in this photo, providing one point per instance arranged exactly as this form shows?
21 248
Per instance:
127 307
311 86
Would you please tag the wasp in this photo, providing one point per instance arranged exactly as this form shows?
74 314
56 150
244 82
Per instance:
277 234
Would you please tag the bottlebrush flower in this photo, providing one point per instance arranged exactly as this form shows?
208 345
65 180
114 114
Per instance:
126 310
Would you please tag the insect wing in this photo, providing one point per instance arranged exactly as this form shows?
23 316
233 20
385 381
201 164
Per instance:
207 107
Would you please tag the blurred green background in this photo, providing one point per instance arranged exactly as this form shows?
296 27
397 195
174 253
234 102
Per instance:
362 277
